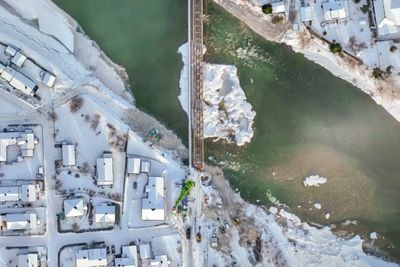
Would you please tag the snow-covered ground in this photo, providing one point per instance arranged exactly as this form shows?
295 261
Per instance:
227 114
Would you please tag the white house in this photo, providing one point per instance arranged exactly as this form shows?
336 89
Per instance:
29 192
145 166
334 10
105 213
96 257
133 165
28 260
11 51
159 261
278 7
74 207
68 154
105 174
9 194
25 140
144 251
387 14
18 59
48 79
129 257
153 207
21 221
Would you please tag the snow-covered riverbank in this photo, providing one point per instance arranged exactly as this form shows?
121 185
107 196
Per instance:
227 114
383 92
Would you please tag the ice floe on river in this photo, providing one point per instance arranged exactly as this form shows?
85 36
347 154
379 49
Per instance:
314 180
227 114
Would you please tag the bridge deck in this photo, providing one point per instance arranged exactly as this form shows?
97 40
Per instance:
197 84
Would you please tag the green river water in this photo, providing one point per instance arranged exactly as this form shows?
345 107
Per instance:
308 121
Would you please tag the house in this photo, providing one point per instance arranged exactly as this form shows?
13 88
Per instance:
18 59
145 166
105 213
306 13
334 10
74 207
105 174
9 194
96 257
387 15
133 166
28 260
160 261
153 206
21 221
11 51
278 7
129 257
48 79
144 251
24 193
18 80
68 154
25 140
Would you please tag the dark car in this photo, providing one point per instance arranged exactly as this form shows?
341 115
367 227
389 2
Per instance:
188 232
112 249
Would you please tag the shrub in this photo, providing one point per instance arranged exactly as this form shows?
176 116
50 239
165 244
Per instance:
393 48
356 1
75 104
267 9
277 19
364 9
335 47
377 73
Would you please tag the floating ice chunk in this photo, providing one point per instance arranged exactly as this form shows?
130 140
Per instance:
373 235
314 180
273 210
317 206
327 216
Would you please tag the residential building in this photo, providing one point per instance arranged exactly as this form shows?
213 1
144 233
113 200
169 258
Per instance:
18 80
68 154
129 257
144 251
105 213
145 166
153 206
334 10
74 207
48 79
105 174
278 7
159 261
24 193
96 257
133 165
21 221
25 140
28 260
18 59
387 15
9 194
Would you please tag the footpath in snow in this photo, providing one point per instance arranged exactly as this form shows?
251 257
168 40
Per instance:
227 114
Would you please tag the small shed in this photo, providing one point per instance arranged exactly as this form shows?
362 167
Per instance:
18 59
133 166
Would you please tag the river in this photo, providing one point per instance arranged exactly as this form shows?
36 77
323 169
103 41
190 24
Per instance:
308 121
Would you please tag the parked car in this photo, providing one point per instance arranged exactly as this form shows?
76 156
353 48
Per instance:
112 249
188 232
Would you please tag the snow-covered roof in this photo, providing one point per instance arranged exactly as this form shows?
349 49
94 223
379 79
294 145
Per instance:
9 193
392 10
387 14
21 221
7 73
144 250
68 155
306 13
159 261
23 83
129 257
91 257
28 193
28 260
48 79
105 214
334 10
145 166
153 206
278 7
133 165
74 207
10 50
25 140
18 59
105 174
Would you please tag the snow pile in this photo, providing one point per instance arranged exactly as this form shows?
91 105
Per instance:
227 114
310 246
314 180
